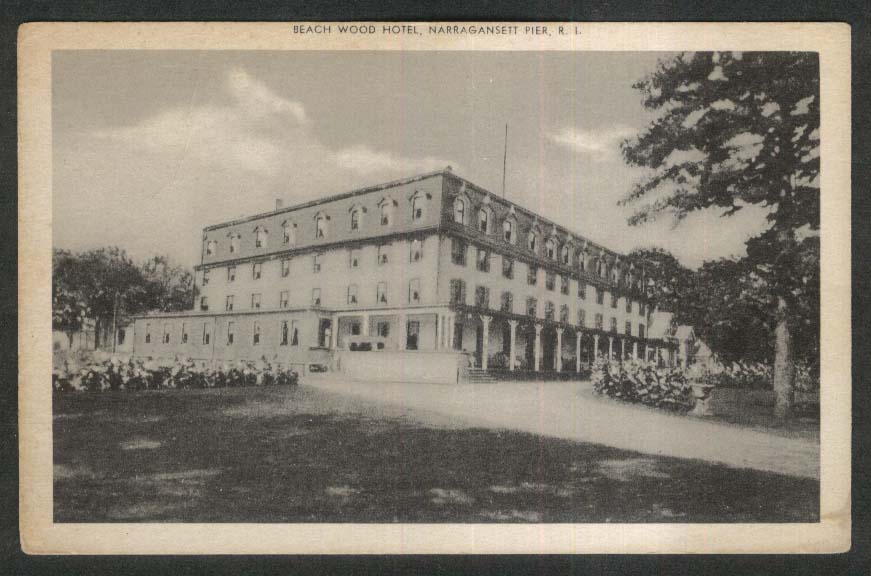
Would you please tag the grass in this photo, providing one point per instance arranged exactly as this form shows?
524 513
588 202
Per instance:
303 455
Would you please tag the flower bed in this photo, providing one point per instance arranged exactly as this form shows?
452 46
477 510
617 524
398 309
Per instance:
641 382
136 374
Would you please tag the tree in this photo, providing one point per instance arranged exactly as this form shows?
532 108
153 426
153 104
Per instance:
69 308
668 282
168 288
735 130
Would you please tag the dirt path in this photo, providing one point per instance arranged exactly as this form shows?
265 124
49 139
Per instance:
570 411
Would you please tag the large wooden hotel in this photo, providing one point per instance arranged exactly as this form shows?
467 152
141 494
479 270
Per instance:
430 264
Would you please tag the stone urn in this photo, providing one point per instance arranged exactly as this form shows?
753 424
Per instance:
702 394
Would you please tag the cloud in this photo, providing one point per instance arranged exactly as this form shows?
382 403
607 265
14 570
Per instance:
364 160
599 143
259 100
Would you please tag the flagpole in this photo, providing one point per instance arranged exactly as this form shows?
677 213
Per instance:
504 159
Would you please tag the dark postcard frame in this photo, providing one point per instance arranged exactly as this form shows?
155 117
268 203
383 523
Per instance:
857 14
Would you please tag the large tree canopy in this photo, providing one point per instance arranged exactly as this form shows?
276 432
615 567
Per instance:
734 130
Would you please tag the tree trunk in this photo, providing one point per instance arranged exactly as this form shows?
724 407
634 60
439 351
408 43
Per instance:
97 326
784 366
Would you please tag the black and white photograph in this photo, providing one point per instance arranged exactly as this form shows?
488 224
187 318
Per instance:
438 287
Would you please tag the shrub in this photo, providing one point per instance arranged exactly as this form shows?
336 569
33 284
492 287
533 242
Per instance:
641 382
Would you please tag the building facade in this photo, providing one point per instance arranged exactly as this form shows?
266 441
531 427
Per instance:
432 262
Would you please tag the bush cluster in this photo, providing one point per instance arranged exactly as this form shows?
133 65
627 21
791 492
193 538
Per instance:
642 382
754 376
136 374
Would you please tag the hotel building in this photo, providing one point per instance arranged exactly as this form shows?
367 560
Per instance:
428 263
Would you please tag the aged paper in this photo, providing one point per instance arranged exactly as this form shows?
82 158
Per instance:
55 211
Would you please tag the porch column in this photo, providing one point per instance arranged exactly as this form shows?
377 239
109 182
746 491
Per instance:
402 331
334 333
438 331
485 342
451 329
622 349
538 347
610 348
635 350
646 352
578 335
559 349
364 329
595 346
511 359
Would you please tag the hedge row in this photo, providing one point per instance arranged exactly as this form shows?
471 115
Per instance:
136 374
642 382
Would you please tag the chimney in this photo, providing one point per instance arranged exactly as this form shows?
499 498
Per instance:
279 203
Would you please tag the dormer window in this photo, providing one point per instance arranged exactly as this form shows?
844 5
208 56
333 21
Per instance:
234 243
565 254
211 247
418 205
387 212
289 232
321 225
550 248
532 241
459 211
508 231
356 217
484 220
261 237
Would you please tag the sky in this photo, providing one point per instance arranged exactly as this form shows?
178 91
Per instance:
149 147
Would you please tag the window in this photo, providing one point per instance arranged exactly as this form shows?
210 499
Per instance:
289 229
294 333
231 273
148 333
628 328
207 335
615 274
316 263
582 317
257 270
564 314
600 296
564 285
414 291
316 296
386 212
507 267
166 333
354 260
614 299
550 248
204 303
231 332
484 220
261 237
412 334
599 321
459 211
458 251
565 255
613 324
549 311
531 307
582 261
641 330
417 205
550 280
255 301
352 294
284 333
482 297
285 268
283 298
256 335
320 226
234 243
582 290
628 306
211 247
532 274
355 219
532 241
458 292
415 251
206 277
382 329
483 261
381 293
383 254
508 231
355 329
228 303
507 303
642 308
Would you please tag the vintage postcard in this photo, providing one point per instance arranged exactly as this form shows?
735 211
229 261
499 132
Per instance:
422 287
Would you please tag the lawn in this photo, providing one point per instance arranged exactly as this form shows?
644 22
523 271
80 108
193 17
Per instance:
304 455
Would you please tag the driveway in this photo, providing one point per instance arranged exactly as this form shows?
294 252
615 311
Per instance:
571 411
